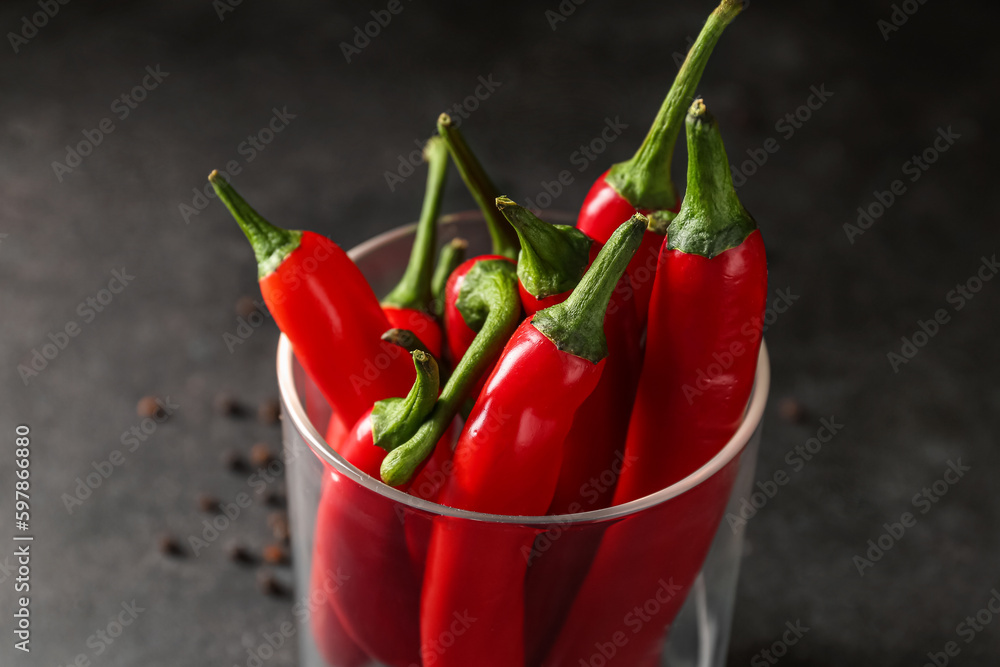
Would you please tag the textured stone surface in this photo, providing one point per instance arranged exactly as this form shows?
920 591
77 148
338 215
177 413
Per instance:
163 334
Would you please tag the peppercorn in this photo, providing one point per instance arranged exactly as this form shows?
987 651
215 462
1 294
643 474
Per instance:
261 455
149 406
275 554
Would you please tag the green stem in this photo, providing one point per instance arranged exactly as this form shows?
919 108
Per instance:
481 187
712 219
271 244
645 180
576 325
553 258
495 284
452 254
394 420
414 289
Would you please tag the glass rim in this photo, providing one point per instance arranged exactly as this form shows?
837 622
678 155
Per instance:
296 412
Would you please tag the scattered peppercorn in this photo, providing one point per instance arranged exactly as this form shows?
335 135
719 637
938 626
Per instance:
227 405
261 455
149 406
240 554
245 306
275 499
208 503
791 410
170 546
270 585
275 554
234 461
269 411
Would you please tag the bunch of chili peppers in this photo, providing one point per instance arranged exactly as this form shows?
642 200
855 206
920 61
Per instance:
506 383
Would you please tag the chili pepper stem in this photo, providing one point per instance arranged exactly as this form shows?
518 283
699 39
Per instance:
712 219
271 244
405 339
452 254
482 188
645 179
576 325
496 285
394 420
414 289
553 257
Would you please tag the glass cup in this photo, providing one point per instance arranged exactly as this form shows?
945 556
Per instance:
645 584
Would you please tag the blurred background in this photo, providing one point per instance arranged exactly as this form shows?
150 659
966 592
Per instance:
849 92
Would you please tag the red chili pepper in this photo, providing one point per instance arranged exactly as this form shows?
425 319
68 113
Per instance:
359 448
322 302
489 295
460 334
549 266
552 260
592 463
706 311
704 326
336 646
507 461
360 538
408 305
640 578
643 183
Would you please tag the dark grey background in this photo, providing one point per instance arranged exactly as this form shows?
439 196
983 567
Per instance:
326 171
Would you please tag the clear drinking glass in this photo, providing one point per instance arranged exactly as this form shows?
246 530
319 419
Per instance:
359 545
